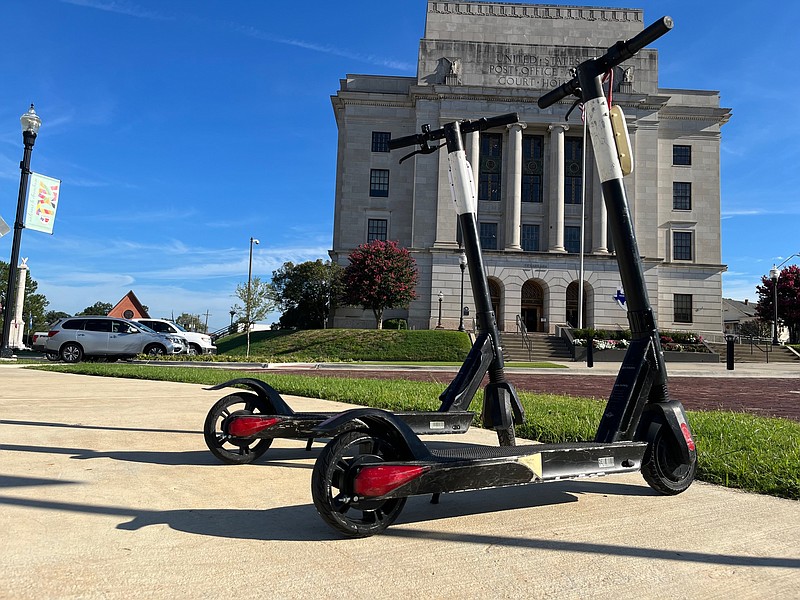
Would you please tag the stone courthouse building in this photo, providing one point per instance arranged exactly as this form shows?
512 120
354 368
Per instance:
481 59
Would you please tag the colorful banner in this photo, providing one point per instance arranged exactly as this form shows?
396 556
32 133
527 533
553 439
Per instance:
40 212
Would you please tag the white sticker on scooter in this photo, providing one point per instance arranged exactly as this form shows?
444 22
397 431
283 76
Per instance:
605 462
462 183
602 135
437 425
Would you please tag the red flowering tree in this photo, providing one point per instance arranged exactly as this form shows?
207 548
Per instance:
380 276
788 300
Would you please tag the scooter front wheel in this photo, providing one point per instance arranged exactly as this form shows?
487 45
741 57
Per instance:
663 467
227 448
332 485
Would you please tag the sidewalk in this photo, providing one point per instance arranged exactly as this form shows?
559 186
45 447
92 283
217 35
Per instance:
107 491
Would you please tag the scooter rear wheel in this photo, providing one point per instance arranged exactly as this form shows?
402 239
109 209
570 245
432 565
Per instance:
663 467
227 448
332 480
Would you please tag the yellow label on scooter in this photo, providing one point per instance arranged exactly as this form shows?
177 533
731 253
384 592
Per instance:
622 140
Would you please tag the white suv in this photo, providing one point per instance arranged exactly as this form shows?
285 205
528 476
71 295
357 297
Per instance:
196 343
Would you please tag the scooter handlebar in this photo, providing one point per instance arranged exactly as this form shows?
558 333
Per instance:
408 140
428 135
615 55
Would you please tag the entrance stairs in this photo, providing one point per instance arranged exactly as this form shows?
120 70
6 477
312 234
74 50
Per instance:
762 352
544 348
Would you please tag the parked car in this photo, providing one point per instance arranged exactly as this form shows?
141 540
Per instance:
39 341
76 338
197 343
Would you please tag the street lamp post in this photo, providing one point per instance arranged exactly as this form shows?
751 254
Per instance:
30 127
441 297
249 292
462 263
774 274
232 313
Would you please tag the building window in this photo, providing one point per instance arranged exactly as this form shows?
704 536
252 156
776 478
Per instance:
682 308
380 141
532 167
681 245
573 169
379 182
530 238
681 195
681 155
488 235
572 239
377 229
491 159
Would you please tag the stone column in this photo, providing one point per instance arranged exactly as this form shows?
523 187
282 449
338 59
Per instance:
556 237
472 147
599 218
513 185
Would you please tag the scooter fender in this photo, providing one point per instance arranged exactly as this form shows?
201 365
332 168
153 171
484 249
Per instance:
378 422
264 390
669 414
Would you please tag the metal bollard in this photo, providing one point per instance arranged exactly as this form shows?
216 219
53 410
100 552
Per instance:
590 352
729 351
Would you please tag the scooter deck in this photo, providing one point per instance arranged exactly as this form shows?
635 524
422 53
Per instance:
302 425
480 467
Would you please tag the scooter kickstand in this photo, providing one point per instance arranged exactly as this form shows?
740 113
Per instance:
435 498
308 444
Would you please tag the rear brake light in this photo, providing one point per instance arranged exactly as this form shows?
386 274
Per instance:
382 479
687 436
52 332
247 426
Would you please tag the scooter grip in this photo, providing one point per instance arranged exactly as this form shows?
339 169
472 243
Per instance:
649 35
408 140
562 91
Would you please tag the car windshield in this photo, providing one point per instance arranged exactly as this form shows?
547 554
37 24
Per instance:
179 327
144 327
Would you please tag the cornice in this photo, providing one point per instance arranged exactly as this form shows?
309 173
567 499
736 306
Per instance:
541 11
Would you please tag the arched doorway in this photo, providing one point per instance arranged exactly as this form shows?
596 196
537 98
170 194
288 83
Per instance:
496 294
532 305
572 304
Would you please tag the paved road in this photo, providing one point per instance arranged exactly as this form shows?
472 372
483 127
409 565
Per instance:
107 491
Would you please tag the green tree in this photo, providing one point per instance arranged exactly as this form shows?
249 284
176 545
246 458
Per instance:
788 300
306 293
34 304
755 328
380 275
98 308
191 323
257 301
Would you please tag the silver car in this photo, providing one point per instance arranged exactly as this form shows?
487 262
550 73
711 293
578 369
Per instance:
76 338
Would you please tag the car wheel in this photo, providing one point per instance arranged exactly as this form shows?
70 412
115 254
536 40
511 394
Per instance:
52 356
155 350
71 353
193 350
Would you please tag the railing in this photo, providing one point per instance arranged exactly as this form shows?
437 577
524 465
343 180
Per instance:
526 341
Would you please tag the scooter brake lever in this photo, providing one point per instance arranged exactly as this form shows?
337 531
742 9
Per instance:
424 150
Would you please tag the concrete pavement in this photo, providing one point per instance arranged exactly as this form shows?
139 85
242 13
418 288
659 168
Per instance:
107 491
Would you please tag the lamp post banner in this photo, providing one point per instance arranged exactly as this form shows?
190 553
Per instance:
40 212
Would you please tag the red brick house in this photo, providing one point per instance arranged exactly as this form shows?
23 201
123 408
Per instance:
129 308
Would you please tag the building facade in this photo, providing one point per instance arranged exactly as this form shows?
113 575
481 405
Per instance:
540 201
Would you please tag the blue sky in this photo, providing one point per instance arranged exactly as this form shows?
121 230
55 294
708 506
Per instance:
182 128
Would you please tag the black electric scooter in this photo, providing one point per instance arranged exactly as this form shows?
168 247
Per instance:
363 476
240 427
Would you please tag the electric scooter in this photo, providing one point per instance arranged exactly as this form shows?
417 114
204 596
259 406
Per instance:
374 462
239 428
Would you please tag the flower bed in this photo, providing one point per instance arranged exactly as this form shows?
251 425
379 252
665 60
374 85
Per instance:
611 345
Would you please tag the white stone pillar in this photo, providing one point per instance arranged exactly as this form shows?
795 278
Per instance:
556 237
599 218
15 334
473 150
513 185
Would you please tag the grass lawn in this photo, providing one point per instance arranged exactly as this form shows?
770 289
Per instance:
757 454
